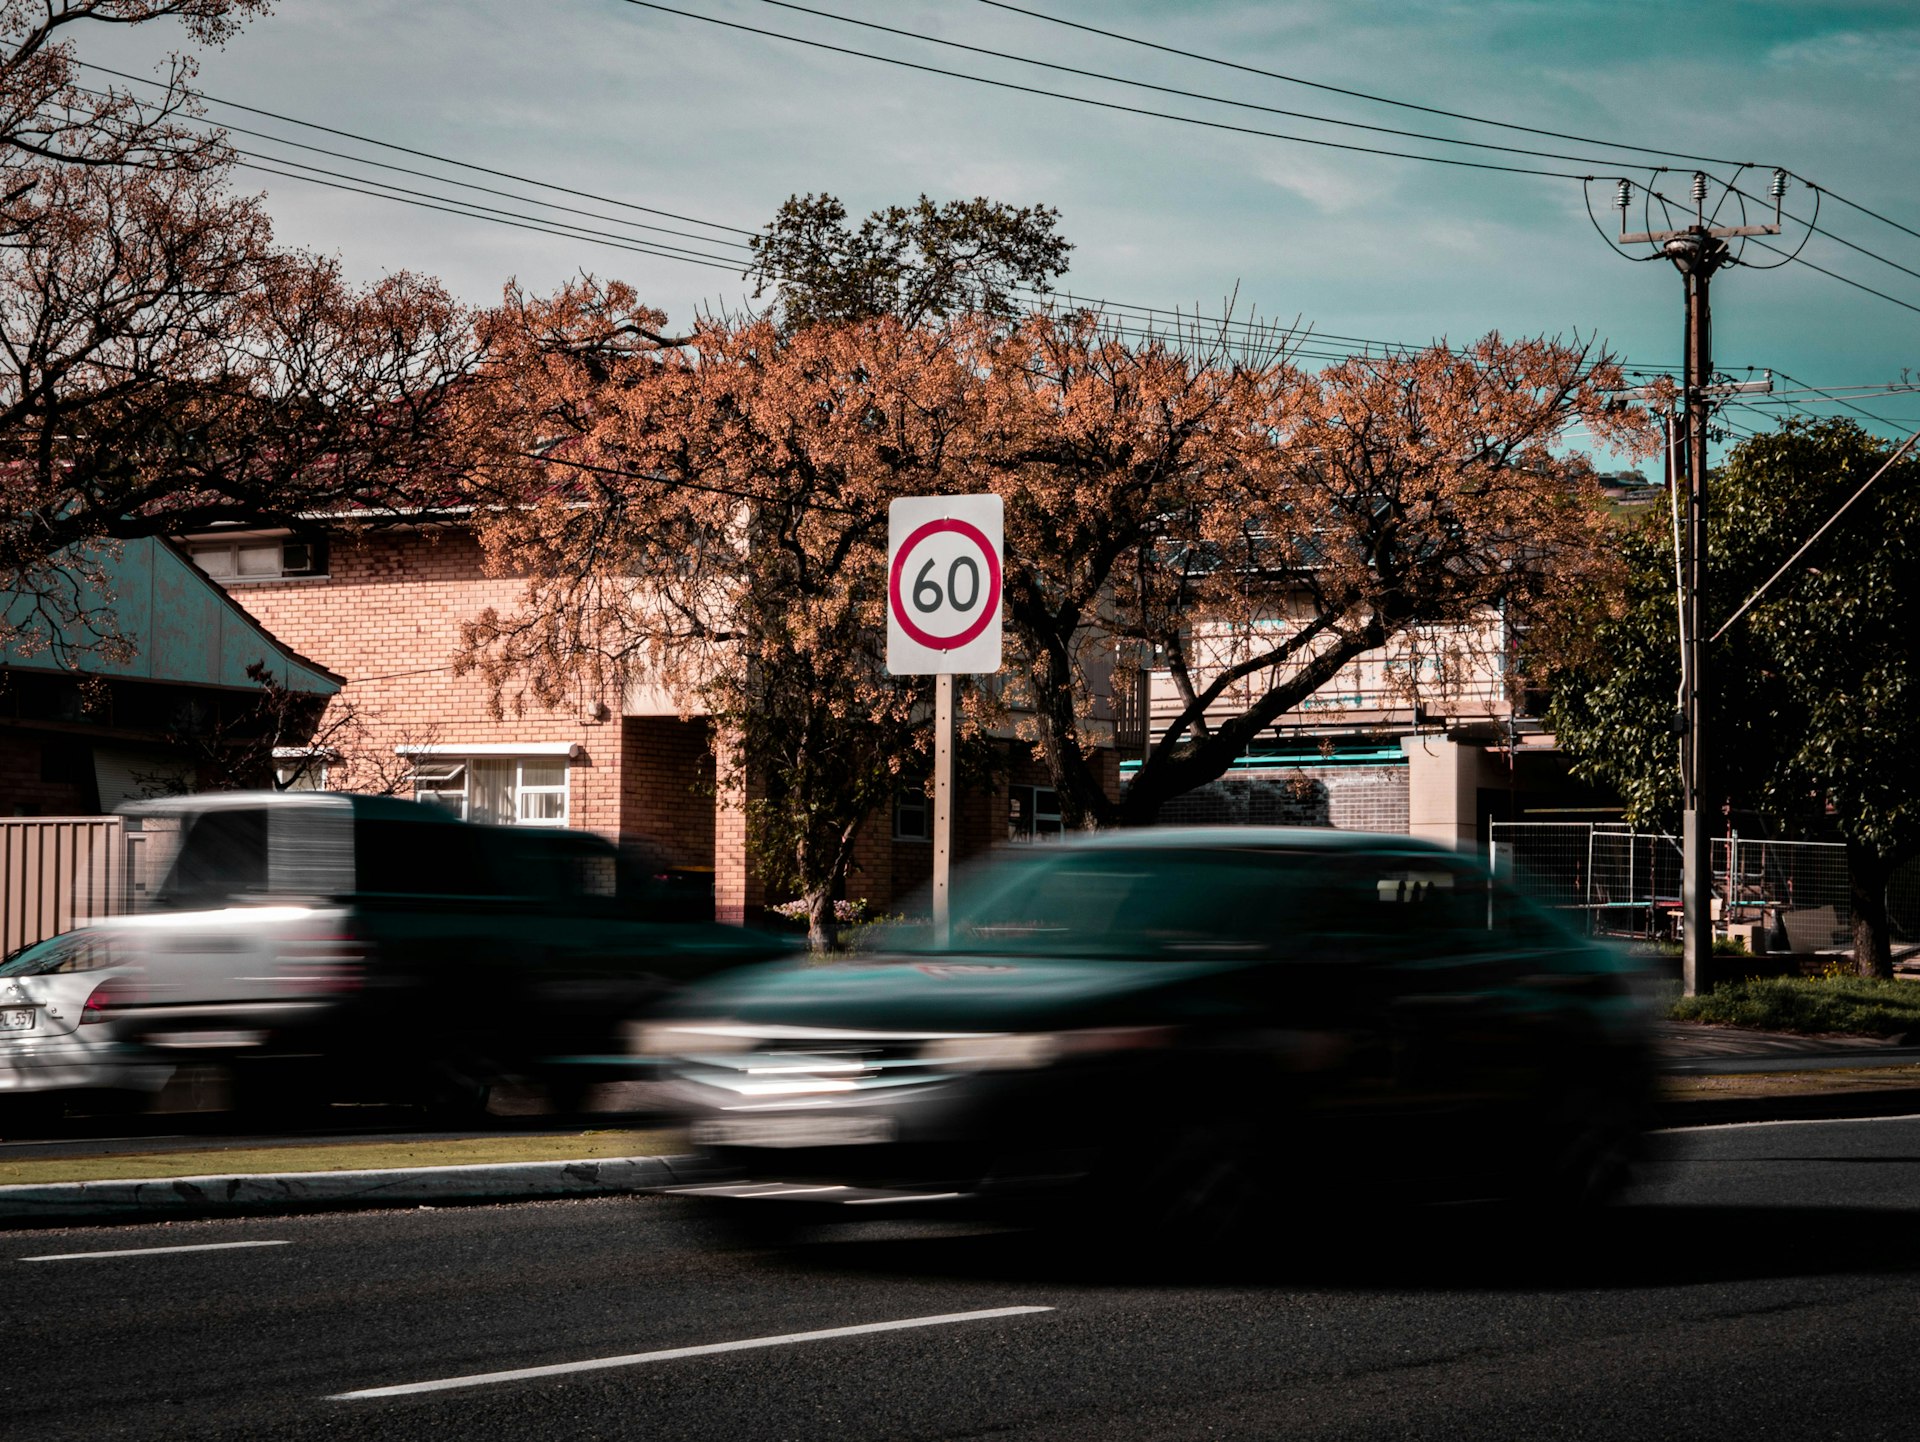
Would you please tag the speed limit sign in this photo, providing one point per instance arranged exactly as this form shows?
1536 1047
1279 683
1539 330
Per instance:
943 585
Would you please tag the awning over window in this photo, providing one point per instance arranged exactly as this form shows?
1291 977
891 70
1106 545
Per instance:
571 750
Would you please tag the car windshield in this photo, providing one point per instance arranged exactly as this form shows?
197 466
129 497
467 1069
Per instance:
1220 902
1132 905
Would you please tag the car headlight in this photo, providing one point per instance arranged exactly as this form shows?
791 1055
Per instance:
687 1038
1021 1051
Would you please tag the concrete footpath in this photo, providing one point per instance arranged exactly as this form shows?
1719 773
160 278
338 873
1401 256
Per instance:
1715 1074
1711 1075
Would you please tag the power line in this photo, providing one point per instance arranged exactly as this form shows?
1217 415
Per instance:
1835 275
1869 415
1196 94
463 184
443 204
523 224
1855 205
1341 90
1808 544
1109 104
423 154
1821 230
658 247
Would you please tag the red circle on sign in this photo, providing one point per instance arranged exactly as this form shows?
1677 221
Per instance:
987 612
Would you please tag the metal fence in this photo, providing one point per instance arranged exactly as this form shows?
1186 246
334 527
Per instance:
1775 895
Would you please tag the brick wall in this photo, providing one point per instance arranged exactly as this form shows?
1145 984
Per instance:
45 775
667 788
738 892
388 619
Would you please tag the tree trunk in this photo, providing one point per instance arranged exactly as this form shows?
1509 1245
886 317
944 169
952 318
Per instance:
823 927
1867 873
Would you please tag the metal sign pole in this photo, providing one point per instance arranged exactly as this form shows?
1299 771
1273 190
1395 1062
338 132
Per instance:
944 559
942 805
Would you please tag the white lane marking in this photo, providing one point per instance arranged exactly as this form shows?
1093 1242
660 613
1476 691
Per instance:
154 1251
1780 1122
634 1359
915 1197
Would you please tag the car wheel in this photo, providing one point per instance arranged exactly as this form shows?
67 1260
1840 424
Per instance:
455 1093
1591 1147
276 1096
32 1114
1208 1187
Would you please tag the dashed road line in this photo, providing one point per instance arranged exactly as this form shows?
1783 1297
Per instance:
634 1359
154 1251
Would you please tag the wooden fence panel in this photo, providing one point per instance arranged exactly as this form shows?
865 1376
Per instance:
57 871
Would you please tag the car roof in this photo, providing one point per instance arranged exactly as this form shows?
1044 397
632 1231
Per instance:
385 808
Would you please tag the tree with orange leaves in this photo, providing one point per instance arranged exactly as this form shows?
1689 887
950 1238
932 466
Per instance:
164 366
710 517
1254 528
712 514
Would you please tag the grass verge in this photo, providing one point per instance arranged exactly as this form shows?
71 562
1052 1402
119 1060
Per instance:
1788 1084
341 1157
1855 1004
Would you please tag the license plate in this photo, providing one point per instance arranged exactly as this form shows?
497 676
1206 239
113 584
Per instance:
799 1131
17 1019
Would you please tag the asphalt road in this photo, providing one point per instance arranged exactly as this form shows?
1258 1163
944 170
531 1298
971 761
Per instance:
1765 1283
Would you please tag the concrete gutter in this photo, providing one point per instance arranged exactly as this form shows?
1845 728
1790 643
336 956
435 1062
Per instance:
65 1203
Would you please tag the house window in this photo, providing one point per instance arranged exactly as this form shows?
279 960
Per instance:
507 791
1033 814
913 815
307 775
256 558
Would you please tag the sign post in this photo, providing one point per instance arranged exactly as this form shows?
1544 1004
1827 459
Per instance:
944 558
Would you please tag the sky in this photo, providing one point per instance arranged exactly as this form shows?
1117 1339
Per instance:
631 104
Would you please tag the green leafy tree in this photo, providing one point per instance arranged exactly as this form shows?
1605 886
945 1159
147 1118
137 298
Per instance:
916 262
1814 691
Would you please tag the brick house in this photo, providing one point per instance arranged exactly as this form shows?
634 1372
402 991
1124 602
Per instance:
384 607
1428 736
86 726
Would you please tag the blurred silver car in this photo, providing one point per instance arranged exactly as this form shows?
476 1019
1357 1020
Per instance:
53 1001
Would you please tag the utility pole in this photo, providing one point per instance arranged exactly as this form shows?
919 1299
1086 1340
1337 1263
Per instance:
1697 252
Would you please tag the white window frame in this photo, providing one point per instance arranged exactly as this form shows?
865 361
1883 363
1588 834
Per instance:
312 762
448 759
227 570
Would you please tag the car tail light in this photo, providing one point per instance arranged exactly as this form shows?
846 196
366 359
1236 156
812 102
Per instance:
100 1003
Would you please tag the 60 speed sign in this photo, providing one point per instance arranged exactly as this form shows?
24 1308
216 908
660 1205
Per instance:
943 585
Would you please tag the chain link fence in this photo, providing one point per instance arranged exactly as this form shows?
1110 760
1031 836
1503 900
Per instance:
1773 895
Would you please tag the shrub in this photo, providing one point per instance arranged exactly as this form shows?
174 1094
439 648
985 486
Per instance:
1855 1004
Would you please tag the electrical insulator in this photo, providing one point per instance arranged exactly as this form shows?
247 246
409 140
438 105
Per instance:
1699 187
1778 187
1622 192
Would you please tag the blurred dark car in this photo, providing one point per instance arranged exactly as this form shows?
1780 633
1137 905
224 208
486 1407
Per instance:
321 945
1185 1028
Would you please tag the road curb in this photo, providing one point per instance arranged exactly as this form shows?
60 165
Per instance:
168 1198
1813 1106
